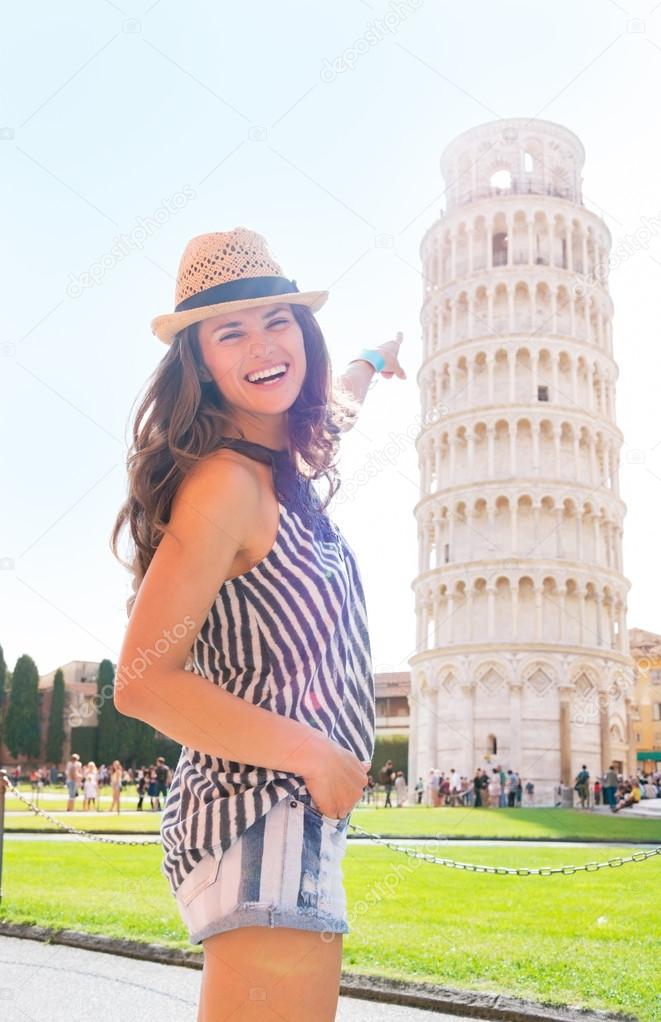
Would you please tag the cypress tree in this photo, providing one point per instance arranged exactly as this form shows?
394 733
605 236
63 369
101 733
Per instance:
55 734
22 723
108 717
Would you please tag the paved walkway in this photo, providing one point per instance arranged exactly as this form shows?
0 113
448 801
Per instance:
57 983
436 843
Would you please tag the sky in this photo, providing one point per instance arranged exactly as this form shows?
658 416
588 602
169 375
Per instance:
126 129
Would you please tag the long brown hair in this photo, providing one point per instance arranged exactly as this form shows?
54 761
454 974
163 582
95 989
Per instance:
181 419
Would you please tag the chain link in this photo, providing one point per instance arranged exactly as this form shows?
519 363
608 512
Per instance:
74 830
588 867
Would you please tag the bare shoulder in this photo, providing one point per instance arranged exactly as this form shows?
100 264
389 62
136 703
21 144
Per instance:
223 489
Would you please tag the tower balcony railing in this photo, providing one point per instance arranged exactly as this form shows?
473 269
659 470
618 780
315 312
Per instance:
520 258
533 186
502 326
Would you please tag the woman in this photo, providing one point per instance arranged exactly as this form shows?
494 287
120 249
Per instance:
116 775
90 786
235 556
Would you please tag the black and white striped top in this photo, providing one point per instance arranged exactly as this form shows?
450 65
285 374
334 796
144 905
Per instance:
290 635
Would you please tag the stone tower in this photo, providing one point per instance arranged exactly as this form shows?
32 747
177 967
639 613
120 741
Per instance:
522 654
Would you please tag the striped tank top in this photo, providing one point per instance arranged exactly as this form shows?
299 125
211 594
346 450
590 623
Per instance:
290 635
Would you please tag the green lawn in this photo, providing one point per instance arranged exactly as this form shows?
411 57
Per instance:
571 824
590 940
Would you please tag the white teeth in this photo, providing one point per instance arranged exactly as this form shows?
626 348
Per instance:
263 374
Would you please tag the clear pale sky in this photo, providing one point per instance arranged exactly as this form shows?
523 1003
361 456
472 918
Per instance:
321 127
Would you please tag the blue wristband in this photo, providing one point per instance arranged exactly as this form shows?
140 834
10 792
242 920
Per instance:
374 357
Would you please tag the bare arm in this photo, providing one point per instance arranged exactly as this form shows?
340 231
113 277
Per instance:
357 377
212 514
355 383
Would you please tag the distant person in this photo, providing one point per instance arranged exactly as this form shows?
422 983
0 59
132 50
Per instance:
477 787
419 791
90 786
152 788
386 778
530 792
161 780
611 781
435 790
116 777
368 790
73 775
512 785
582 785
455 787
630 797
597 792
141 787
400 788
502 785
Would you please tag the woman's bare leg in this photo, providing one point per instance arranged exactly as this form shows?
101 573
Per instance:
264 974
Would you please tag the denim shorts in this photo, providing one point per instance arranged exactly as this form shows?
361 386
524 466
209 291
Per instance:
72 788
284 870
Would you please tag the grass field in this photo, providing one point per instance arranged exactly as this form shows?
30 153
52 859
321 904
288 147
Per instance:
590 940
541 824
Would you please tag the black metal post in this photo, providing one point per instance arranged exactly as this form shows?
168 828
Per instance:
3 787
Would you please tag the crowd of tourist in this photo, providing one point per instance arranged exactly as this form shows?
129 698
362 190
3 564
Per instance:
498 787
495 787
614 789
86 780
503 788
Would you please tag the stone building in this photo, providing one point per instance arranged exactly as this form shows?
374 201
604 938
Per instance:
646 651
522 655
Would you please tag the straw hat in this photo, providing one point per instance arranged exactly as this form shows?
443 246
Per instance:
226 271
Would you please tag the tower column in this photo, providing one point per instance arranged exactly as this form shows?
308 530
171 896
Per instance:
432 725
515 688
564 693
468 725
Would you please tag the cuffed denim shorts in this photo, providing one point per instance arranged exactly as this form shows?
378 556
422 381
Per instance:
284 870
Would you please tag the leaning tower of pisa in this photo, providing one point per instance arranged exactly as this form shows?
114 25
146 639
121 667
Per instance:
522 655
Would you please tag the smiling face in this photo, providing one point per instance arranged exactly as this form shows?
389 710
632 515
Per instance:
238 345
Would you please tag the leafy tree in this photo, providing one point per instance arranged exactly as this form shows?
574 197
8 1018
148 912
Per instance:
22 723
55 733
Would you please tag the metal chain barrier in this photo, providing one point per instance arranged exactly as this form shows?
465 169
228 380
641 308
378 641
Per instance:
543 871
72 830
588 867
